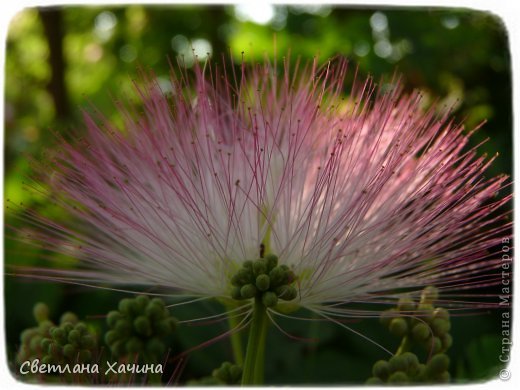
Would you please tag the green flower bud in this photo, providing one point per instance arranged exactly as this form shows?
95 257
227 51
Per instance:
259 267
70 351
58 335
441 313
163 327
111 336
272 261
41 312
88 341
67 327
440 326
245 276
248 291
446 341
74 337
411 362
248 264
154 310
437 364
420 332
45 326
406 304
235 373
123 327
126 306
134 345
425 311
286 292
142 301
68 317
47 359
444 377
44 344
398 327
235 293
429 295
373 381
397 363
142 326
398 378
269 299
277 275
262 282
381 369
80 327
112 317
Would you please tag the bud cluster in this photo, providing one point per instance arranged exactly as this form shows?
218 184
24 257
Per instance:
228 374
421 322
139 327
68 342
406 369
264 279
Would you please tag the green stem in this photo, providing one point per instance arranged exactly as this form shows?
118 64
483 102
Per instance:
405 346
236 339
253 373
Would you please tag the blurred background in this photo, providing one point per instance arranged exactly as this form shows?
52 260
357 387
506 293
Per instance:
59 60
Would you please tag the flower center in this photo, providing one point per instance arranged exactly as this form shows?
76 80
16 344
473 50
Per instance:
264 279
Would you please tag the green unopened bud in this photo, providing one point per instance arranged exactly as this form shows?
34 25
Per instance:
87 341
374 381
434 345
142 301
444 377
26 335
245 276
420 332
406 304
269 299
111 336
398 327
157 302
446 341
68 317
41 312
235 373
123 327
429 295
235 293
81 327
118 348
262 282
398 377
45 326
441 313
425 311
44 344
397 363
58 335
259 267
48 359
134 345
74 337
286 292
272 261
381 369
437 364
70 351
163 327
440 326
112 317
126 305
411 363
248 291
142 326
154 310
248 264
35 343
276 275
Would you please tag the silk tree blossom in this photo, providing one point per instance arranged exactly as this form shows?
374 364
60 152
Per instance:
362 195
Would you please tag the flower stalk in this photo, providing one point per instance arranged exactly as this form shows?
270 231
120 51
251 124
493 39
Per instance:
253 373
